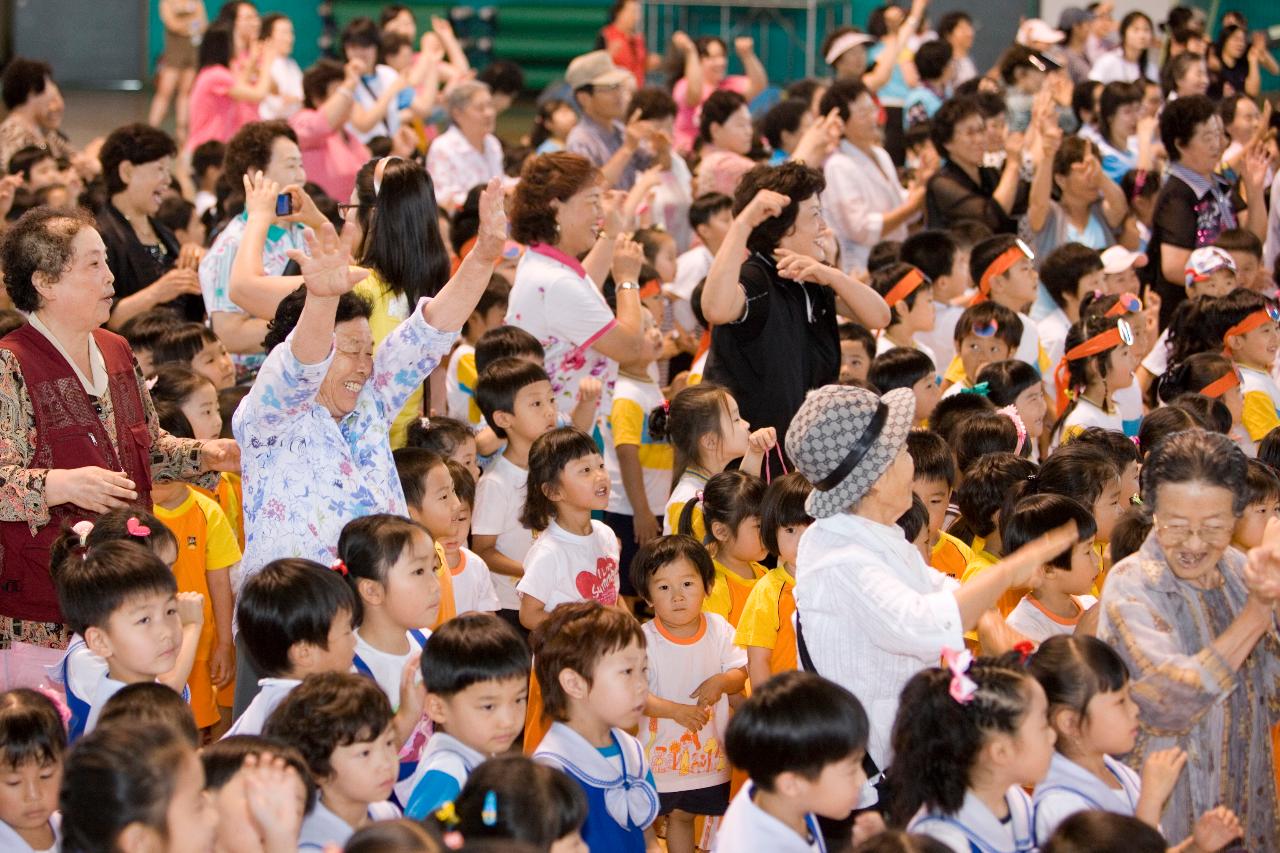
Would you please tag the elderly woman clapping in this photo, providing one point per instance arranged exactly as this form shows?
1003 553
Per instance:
467 154
80 436
1195 621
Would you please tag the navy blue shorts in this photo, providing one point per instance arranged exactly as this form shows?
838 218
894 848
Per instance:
704 801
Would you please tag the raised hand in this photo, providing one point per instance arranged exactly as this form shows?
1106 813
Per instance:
1023 563
1262 569
325 266
680 41
765 205
492 235
260 193
744 45
628 258
638 129
190 608
271 795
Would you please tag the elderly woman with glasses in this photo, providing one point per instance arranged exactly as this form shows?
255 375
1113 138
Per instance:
467 154
1196 623
963 188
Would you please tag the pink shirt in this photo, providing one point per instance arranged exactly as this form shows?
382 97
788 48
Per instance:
331 157
686 127
214 113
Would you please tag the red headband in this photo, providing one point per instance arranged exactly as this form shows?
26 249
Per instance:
905 287
1248 324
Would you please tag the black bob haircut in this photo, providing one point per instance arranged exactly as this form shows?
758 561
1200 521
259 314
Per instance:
471 649
109 577
1006 380
1179 119
900 367
535 803
290 601
152 702
31 729
500 382
136 144
412 466
796 181
783 506
796 722
931 252
662 550
1034 516
22 79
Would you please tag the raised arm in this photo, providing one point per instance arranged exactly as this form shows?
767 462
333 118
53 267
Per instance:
253 81
366 118
449 310
337 107
757 77
452 48
328 274
692 68
249 286
722 296
1041 197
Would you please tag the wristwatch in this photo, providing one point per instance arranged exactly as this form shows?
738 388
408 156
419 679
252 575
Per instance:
627 285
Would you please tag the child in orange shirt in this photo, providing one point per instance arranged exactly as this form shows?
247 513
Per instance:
207 554
730 504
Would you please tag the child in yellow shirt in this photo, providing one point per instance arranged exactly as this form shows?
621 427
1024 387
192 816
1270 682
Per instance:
730 505
764 626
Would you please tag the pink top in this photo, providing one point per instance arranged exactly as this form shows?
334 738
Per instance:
686 127
331 157
719 171
214 113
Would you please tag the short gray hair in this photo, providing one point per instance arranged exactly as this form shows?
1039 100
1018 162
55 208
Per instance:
460 96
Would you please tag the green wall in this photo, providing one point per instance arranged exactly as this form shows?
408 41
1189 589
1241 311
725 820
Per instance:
306 24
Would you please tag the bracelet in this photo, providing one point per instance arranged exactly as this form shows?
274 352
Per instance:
348 92
627 285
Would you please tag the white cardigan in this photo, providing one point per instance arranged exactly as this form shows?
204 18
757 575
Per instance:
861 189
873 614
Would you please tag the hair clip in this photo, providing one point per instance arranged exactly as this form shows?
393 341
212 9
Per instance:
137 528
962 687
489 813
83 529
1024 650
986 330
339 567
447 814
424 422
58 701
698 495
151 383
666 407
982 389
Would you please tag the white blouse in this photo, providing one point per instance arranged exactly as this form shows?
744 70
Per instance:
861 189
873 614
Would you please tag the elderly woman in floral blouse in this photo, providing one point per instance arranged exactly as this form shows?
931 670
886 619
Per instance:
1196 623
78 434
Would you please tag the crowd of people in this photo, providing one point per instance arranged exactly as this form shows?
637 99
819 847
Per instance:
888 461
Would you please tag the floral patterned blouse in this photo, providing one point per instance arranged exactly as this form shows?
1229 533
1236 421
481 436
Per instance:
305 474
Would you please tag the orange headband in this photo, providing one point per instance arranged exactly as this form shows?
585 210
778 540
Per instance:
904 288
1221 385
1121 333
1248 324
1000 266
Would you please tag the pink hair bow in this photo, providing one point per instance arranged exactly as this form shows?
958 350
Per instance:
962 686
1011 412
137 528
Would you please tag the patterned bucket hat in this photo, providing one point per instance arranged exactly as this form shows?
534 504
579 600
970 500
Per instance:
843 439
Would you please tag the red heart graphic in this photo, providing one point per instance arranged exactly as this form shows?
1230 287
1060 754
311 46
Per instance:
602 585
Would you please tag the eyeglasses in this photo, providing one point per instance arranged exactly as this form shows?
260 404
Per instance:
344 209
1210 534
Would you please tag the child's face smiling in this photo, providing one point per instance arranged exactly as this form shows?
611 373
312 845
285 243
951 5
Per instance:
977 352
438 510
1257 348
1032 408
214 362
676 593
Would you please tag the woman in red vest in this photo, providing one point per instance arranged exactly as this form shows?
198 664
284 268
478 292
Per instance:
78 434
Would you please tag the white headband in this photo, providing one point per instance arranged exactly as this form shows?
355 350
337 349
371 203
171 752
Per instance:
844 43
378 171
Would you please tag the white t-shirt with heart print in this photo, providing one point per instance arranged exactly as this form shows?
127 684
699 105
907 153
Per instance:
562 566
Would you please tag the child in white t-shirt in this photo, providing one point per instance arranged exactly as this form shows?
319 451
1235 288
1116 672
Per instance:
1057 604
574 557
693 668
515 398
472 585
